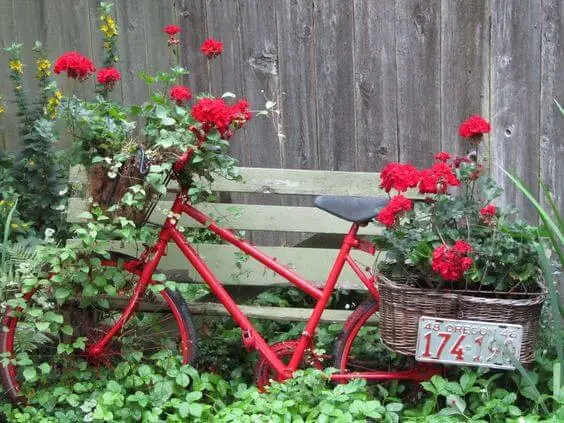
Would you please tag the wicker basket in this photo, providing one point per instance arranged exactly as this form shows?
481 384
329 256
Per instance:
524 309
402 306
107 192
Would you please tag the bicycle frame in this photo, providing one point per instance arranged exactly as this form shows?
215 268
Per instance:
252 339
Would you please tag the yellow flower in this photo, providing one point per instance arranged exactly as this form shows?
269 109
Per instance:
2 109
108 27
16 65
53 103
43 68
14 226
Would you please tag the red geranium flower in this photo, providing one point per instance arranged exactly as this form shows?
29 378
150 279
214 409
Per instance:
180 93
75 65
437 179
171 30
399 177
487 214
108 77
212 113
459 160
212 48
443 156
451 262
388 215
474 127
240 113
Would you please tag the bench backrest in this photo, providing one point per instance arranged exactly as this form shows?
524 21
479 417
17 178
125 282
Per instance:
311 263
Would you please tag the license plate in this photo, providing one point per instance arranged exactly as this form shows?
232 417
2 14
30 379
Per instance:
468 343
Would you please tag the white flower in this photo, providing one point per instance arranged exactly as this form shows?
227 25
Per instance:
49 232
112 175
107 160
63 191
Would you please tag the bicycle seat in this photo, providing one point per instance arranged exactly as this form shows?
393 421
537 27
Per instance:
354 209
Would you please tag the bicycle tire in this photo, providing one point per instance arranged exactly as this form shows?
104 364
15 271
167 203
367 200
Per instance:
12 381
345 341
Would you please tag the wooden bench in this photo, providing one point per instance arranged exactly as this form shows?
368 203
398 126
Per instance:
312 258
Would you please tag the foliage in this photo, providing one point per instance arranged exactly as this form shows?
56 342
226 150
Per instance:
36 176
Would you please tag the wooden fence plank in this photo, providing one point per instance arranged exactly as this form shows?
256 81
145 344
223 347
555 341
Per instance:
8 121
515 80
375 98
156 16
418 70
464 71
552 87
192 19
251 217
296 63
132 49
333 26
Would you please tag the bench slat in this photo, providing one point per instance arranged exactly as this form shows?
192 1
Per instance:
290 314
252 217
313 264
287 181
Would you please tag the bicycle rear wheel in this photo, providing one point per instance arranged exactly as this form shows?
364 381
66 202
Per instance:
32 354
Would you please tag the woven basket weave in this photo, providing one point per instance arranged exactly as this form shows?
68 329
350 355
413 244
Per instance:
107 192
402 306
524 310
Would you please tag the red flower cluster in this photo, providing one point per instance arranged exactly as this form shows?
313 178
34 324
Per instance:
474 127
451 262
487 214
180 93
399 177
171 30
212 48
443 156
240 113
388 215
75 65
459 160
108 77
437 179
215 113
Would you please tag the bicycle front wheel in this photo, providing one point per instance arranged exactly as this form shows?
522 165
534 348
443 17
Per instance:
32 354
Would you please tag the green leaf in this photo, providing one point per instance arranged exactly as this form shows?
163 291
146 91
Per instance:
183 380
85 215
30 374
62 293
167 121
196 409
184 409
53 317
42 326
456 402
467 380
45 368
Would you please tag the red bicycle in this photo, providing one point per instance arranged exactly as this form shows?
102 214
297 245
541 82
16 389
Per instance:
150 325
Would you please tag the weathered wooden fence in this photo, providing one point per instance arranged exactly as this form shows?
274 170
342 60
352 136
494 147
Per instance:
357 83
